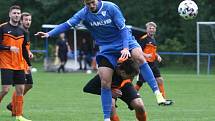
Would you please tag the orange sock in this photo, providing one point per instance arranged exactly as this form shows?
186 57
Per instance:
115 117
141 116
161 88
19 105
13 103
137 87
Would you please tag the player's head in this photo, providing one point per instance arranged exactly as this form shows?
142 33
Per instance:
26 20
15 13
91 4
84 41
127 69
151 28
62 36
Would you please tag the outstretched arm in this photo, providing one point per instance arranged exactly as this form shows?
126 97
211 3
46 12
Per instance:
57 30
64 26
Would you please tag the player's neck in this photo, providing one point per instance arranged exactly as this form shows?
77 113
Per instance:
150 35
13 23
23 27
99 5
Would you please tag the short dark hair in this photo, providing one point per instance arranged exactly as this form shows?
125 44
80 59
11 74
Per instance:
15 7
129 66
25 14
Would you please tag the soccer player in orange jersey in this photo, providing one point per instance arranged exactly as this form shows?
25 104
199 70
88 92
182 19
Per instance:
149 46
122 88
25 24
12 40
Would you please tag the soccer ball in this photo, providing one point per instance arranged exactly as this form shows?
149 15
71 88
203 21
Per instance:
188 9
33 70
89 71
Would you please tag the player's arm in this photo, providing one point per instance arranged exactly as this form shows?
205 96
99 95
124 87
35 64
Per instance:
56 49
158 57
119 21
3 47
25 50
28 46
68 47
25 55
147 55
72 22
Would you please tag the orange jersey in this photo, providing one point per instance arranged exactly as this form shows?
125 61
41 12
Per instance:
12 36
149 46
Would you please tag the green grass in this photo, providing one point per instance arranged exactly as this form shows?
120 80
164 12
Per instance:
59 97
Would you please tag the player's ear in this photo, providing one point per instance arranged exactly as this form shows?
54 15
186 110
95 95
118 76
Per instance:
9 14
122 73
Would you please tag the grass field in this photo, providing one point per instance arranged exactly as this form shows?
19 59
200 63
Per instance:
59 97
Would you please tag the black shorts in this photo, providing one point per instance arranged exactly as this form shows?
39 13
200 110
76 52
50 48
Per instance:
129 93
155 70
28 78
93 86
104 62
10 77
63 57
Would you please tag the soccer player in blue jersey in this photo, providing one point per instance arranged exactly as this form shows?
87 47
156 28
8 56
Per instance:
107 26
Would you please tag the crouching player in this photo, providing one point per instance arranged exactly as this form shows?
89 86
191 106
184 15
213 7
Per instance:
121 88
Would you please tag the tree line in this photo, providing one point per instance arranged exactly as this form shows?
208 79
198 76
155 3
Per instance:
174 33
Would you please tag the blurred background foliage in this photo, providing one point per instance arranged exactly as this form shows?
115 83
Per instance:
172 30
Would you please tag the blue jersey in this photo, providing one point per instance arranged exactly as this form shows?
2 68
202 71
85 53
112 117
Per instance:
105 26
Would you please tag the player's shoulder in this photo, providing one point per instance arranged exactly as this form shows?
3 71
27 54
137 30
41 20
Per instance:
3 24
109 4
144 37
26 31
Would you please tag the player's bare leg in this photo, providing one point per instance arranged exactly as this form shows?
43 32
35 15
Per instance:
5 90
147 74
105 74
138 106
27 88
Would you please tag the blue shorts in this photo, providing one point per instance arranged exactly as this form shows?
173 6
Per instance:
112 52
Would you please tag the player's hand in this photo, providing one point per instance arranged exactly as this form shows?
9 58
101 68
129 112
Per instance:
42 34
148 55
56 54
159 58
69 50
14 49
31 55
116 93
125 53
28 70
